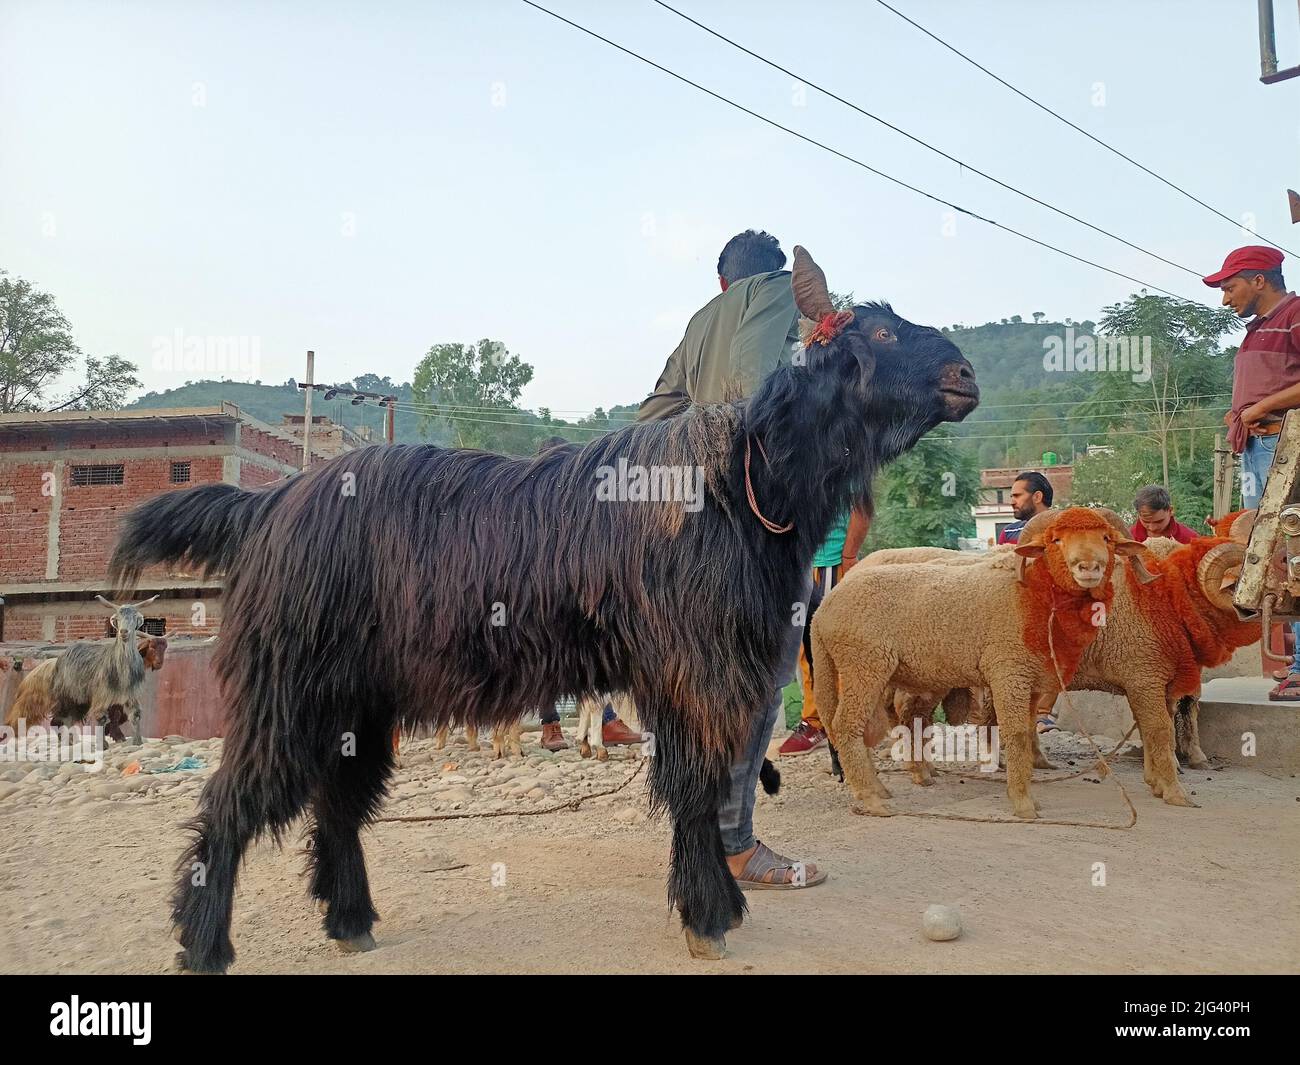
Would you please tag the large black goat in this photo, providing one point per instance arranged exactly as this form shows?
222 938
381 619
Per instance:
411 584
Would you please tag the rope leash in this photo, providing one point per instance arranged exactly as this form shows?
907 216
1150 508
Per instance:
572 804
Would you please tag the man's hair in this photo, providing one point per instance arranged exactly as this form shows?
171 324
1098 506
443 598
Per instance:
749 253
1037 483
1273 278
1153 497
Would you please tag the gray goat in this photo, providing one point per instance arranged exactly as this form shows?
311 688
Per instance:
92 678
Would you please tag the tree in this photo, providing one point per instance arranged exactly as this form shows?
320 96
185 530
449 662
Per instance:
36 348
472 389
924 499
36 344
107 383
1176 377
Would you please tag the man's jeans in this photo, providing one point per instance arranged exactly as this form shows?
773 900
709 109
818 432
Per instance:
1256 461
736 814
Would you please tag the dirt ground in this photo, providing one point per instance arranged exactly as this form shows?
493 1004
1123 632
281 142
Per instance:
84 886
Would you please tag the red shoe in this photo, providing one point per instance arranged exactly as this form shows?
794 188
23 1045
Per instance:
616 734
804 739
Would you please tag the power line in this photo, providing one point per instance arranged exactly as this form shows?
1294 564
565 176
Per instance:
1079 129
926 144
849 158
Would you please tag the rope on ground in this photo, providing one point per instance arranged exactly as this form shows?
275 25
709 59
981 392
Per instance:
572 804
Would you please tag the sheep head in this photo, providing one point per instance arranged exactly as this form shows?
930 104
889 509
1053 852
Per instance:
1138 554
1078 547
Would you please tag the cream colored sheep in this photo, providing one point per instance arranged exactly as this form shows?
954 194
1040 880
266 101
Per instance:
931 628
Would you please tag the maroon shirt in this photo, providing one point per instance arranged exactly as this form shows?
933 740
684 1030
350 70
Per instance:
1175 530
1268 361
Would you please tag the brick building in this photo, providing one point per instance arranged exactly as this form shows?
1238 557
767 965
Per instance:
67 478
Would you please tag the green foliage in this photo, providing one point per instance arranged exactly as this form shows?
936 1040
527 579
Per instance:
36 348
924 498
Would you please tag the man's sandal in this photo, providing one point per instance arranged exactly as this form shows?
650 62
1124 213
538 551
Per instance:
1288 691
765 871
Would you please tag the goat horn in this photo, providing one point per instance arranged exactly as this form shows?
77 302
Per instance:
1242 526
1212 568
111 606
811 294
144 601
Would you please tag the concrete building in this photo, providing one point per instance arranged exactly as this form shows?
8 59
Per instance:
993 512
67 478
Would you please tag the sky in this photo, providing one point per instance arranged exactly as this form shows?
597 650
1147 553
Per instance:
369 179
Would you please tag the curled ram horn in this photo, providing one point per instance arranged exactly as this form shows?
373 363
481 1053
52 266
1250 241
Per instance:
1214 569
811 294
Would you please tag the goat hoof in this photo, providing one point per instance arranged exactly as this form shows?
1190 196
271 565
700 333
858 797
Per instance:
357 944
602 755
183 967
705 948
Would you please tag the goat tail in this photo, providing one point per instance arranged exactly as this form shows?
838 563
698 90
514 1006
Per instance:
202 527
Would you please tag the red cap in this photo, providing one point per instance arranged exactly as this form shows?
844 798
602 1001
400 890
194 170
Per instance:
1251 257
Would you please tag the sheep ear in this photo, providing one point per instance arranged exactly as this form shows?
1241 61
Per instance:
1137 554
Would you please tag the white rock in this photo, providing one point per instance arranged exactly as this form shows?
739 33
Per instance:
941 923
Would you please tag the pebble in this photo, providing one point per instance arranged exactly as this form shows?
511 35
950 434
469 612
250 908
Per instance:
941 923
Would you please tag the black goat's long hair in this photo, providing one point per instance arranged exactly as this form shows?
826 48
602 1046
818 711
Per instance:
405 584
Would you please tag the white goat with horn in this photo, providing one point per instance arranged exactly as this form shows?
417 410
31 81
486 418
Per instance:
91 678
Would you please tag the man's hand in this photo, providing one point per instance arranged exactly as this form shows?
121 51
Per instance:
1254 413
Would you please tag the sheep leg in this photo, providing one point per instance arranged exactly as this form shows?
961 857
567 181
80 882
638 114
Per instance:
915 712
336 862
862 693
1012 697
1160 767
1191 733
251 791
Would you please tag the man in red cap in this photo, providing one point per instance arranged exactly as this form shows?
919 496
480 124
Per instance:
1265 379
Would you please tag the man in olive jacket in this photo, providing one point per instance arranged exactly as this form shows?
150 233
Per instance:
731 344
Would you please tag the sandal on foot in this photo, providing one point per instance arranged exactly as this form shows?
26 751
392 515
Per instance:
765 871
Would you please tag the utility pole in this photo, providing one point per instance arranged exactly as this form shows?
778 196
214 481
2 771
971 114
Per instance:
306 420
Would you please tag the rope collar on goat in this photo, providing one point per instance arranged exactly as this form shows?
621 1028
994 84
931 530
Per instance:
768 524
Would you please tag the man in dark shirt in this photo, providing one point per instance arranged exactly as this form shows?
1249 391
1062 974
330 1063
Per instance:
1031 493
